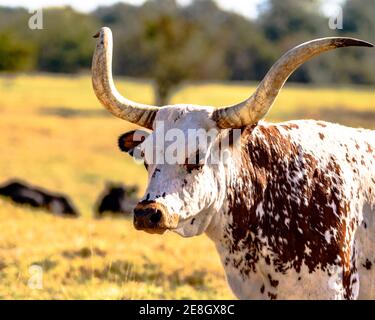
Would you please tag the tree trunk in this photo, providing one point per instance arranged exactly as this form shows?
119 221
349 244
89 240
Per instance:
162 92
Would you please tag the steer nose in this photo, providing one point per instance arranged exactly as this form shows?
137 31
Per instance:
152 217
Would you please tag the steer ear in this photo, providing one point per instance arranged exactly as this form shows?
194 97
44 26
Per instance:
128 141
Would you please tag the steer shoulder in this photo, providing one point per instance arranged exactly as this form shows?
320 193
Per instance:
297 204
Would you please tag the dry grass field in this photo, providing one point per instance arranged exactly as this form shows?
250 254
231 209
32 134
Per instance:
54 133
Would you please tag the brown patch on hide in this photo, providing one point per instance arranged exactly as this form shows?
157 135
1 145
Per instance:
280 177
273 283
369 148
289 126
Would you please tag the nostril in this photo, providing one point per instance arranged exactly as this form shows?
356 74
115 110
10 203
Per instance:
137 212
156 217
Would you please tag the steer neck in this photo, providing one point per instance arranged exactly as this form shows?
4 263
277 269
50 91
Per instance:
236 203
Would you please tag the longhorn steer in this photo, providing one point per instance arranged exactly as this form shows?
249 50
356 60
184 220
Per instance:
292 214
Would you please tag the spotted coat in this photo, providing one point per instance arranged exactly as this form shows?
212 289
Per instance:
292 214
300 213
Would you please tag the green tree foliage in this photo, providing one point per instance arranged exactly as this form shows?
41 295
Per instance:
290 22
358 21
285 19
158 41
65 44
169 43
177 48
247 54
15 54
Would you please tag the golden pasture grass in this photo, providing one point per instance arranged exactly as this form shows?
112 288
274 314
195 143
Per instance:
54 133
102 259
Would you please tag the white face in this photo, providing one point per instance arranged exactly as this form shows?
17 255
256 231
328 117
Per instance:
194 192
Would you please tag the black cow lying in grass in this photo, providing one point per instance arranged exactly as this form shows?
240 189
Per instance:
22 193
118 199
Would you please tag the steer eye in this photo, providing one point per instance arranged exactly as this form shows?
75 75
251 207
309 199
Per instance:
194 163
144 161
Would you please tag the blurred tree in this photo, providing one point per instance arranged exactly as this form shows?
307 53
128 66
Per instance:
157 41
177 49
290 22
357 66
359 17
247 54
171 43
15 54
282 19
13 18
65 44
126 23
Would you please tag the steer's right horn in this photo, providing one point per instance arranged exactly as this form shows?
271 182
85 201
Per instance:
106 91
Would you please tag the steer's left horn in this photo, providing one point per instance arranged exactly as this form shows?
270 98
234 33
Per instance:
256 107
105 89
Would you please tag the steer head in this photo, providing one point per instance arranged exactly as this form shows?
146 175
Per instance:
191 152
187 157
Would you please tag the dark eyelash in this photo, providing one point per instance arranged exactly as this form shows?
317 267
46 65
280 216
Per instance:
191 167
194 166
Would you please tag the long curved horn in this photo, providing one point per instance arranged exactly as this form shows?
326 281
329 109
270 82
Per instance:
256 107
106 91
